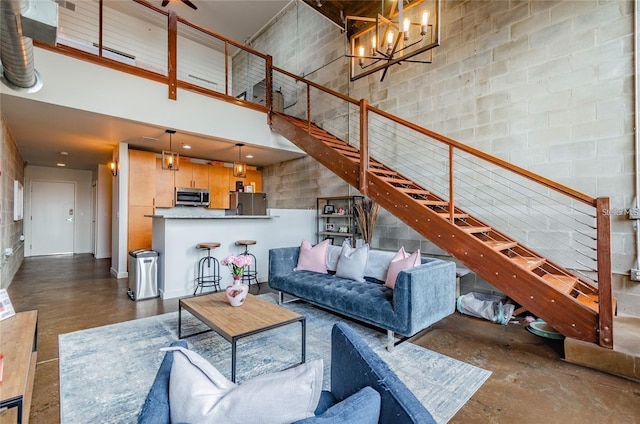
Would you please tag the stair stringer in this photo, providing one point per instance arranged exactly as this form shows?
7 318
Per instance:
561 311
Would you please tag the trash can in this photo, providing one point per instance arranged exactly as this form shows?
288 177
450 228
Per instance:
143 274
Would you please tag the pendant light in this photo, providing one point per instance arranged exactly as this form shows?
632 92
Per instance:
170 159
239 167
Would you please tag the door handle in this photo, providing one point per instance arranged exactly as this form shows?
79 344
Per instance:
69 219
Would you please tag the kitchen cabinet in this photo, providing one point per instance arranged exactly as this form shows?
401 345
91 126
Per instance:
142 191
191 174
142 184
219 177
336 220
164 186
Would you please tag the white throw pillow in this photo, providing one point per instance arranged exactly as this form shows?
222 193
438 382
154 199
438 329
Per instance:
352 262
400 263
198 393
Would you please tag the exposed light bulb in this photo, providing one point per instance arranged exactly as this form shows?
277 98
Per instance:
389 42
361 54
406 24
424 23
374 45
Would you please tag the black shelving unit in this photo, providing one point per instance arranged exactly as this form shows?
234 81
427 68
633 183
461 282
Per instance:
336 219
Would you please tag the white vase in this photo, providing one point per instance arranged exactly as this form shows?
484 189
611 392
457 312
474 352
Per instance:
237 292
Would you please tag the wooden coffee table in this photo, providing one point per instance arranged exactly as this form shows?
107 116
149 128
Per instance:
234 323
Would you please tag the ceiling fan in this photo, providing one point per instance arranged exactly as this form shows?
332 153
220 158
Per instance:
187 2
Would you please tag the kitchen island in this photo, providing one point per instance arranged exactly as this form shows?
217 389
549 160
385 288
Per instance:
175 238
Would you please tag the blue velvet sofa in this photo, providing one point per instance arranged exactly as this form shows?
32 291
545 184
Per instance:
422 296
354 367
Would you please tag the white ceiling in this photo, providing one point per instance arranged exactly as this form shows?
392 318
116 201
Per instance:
42 130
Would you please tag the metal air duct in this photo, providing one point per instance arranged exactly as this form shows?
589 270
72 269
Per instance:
16 49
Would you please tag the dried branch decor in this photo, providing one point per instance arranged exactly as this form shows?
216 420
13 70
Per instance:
366 211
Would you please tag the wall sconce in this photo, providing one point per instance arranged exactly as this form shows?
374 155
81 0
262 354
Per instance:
170 159
239 167
113 166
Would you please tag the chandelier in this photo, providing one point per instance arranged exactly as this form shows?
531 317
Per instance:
406 32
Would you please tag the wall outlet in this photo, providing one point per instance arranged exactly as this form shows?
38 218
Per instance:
635 274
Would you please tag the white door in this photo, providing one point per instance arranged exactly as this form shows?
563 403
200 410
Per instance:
52 217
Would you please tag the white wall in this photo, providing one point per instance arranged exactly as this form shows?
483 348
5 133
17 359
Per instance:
104 186
83 181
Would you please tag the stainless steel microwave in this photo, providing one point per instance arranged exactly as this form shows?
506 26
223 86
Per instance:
191 196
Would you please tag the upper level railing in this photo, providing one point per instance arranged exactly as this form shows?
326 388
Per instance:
562 224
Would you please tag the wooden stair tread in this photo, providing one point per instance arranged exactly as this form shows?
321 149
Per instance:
383 171
429 202
501 245
528 262
475 229
413 190
562 283
447 215
394 180
590 301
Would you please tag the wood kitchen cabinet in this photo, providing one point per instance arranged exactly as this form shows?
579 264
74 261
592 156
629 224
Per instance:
191 174
142 191
219 187
164 186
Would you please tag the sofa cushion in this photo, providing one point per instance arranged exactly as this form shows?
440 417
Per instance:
362 407
352 262
198 392
312 258
401 262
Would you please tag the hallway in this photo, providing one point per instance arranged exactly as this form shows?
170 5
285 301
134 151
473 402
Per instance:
530 381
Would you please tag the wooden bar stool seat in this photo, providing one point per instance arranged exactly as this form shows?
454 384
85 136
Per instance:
208 269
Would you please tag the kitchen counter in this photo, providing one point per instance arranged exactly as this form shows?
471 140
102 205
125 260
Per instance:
176 234
211 216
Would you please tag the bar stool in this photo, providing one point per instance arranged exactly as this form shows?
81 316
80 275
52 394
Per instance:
208 269
251 271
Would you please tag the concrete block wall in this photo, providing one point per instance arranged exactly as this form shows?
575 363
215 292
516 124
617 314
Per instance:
11 169
545 85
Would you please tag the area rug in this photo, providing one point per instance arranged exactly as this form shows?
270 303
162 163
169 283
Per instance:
106 372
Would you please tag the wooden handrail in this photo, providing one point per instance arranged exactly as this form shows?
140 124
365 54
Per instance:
318 86
568 191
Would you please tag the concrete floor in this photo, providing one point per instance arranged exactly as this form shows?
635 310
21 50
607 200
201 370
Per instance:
530 382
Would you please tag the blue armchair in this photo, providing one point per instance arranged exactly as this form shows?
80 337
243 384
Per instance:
355 369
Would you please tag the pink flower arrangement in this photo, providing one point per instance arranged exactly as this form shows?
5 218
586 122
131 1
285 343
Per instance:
236 263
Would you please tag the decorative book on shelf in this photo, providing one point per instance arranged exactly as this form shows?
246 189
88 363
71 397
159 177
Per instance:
6 308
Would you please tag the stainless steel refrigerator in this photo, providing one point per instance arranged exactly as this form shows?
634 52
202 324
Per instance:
241 203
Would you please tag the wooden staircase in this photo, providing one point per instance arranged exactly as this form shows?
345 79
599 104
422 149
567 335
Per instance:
567 302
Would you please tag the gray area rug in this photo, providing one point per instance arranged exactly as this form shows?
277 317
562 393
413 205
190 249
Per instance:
106 372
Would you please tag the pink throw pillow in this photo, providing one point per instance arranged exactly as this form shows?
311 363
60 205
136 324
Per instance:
399 263
313 258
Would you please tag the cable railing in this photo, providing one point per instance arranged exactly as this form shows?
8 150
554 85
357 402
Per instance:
139 38
569 228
